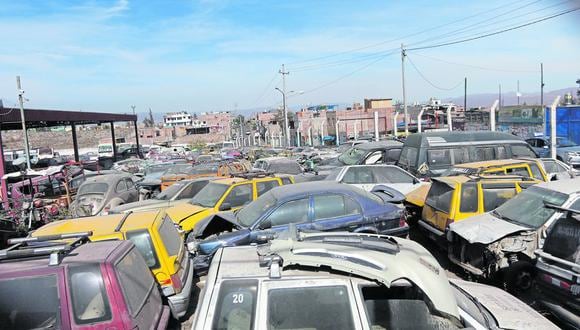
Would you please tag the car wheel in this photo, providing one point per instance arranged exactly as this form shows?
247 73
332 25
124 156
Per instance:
519 276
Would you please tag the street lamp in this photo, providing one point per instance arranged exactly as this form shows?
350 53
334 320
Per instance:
286 126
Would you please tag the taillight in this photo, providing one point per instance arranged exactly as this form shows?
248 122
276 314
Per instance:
403 219
176 282
554 281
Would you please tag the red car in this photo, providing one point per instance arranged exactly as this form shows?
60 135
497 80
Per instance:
74 284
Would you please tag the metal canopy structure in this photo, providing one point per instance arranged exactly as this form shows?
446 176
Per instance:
10 119
36 118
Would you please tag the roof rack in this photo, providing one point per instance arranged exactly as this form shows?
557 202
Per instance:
252 174
122 221
27 247
489 176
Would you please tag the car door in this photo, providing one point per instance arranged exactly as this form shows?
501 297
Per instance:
121 190
132 192
336 212
295 211
238 196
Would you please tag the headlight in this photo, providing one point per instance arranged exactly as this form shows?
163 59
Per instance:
570 154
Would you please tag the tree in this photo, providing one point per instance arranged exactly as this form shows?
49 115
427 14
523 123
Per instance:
149 122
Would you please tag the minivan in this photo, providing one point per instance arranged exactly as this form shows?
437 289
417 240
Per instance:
430 154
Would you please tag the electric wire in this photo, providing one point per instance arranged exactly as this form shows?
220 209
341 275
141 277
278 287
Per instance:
473 66
429 81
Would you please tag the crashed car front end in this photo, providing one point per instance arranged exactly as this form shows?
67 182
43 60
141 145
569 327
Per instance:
488 260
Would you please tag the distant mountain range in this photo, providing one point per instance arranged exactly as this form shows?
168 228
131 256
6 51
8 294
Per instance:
510 98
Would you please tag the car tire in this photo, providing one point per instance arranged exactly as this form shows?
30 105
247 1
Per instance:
519 276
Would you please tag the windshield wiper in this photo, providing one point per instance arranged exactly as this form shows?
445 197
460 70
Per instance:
503 217
477 304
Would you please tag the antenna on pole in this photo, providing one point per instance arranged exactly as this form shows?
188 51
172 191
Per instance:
21 101
403 55
283 72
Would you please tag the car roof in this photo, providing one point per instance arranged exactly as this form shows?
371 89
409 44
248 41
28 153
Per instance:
107 178
314 187
93 252
495 163
385 144
101 225
310 251
568 186
455 179
429 138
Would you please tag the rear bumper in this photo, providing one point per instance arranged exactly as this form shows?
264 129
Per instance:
179 302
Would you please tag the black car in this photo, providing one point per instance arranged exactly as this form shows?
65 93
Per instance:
379 152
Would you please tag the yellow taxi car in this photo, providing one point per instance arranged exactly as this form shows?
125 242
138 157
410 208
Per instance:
223 195
155 237
524 167
455 198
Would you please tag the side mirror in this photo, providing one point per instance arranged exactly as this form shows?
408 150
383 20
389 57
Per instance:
265 225
225 207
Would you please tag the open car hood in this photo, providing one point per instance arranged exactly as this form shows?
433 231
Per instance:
216 223
484 228
508 311
411 263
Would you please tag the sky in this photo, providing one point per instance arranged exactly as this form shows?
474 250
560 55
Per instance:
216 55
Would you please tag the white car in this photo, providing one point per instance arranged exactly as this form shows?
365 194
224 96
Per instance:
367 177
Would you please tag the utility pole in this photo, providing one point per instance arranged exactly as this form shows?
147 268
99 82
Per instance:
403 54
465 95
518 92
542 96
500 100
283 72
21 101
133 107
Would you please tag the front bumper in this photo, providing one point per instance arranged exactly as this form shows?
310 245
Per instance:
179 302
399 232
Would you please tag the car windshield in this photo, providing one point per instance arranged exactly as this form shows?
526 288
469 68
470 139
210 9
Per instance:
251 212
30 303
170 192
93 188
527 208
352 156
285 167
209 195
205 169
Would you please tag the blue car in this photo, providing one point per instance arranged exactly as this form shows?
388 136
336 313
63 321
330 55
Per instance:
566 150
319 206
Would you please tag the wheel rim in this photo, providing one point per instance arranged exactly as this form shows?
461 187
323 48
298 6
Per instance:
524 280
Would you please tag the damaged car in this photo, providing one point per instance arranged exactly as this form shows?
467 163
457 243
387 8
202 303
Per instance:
500 244
316 206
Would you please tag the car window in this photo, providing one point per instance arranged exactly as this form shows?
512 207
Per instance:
391 174
170 237
469 198
142 241
93 188
239 195
395 308
393 155
130 184
536 173
290 212
550 166
374 158
495 195
236 305
563 240
191 189
501 153
19 311
482 153
265 186
439 196
408 156
460 155
310 308
89 299
522 151
329 206
540 143
521 171
359 175
286 180
121 186
135 281
437 157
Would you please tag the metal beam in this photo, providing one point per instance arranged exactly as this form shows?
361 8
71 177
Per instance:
137 139
114 142
75 142
3 188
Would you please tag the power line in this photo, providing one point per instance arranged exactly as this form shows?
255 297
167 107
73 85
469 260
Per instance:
350 73
429 81
353 50
495 32
473 66
361 58
265 90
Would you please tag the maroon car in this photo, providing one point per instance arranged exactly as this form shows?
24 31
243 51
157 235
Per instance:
47 284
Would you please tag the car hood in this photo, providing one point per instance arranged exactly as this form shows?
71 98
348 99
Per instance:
187 215
508 311
139 206
572 149
484 228
216 221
